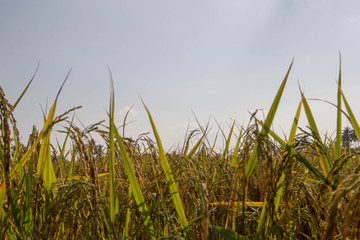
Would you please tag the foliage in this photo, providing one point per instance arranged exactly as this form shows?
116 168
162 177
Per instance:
305 186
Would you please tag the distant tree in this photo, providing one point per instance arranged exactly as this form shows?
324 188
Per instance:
348 137
354 138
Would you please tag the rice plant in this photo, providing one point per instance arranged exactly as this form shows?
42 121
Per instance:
304 186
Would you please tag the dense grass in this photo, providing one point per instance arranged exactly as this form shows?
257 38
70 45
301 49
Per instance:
304 187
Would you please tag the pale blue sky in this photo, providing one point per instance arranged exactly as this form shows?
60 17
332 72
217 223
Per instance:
226 58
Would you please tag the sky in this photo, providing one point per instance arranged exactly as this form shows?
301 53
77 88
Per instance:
217 60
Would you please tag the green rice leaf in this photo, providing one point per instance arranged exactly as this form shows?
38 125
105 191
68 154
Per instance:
71 171
170 180
324 159
338 120
62 156
295 123
26 88
112 152
197 145
235 154
352 118
45 166
128 216
135 187
227 145
279 190
2 196
262 219
45 143
49 173
250 166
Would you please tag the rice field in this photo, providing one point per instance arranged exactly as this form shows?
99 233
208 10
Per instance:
305 186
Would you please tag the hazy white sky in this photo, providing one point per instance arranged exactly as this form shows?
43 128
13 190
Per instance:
226 58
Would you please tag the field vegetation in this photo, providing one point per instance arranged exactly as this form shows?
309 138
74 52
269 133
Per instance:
303 186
